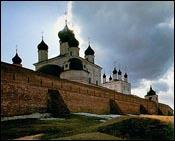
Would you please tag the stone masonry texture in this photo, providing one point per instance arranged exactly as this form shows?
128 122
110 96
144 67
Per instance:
24 91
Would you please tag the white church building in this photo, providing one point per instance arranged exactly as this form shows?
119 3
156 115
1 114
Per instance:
68 64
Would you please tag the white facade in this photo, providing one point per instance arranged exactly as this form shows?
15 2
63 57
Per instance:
117 84
115 76
90 58
74 51
75 75
64 48
119 77
104 79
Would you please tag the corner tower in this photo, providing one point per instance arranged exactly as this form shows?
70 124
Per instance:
151 95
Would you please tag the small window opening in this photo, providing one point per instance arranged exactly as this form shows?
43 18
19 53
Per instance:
89 80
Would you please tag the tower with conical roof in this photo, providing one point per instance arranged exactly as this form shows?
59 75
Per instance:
42 51
17 60
89 54
151 95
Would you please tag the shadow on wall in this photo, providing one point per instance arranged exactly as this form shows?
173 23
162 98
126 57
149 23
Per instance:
143 110
114 108
56 105
159 112
54 70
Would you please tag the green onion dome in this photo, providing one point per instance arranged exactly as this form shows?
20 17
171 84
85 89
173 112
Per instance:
67 35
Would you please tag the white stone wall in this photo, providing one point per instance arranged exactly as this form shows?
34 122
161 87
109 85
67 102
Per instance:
90 58
125 79
104 80
118 86
153 98
42 55
74 51
64 48
75 75
126 87
119 77
95 72
114 76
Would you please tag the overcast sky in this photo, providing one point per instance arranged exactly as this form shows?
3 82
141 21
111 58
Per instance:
137 37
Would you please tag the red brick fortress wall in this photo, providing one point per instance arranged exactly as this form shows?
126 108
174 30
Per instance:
24 91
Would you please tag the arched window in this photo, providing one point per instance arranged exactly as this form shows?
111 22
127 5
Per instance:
96 82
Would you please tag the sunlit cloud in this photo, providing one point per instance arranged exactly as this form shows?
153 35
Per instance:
59 25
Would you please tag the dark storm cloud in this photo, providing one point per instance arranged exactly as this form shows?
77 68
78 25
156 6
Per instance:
134 34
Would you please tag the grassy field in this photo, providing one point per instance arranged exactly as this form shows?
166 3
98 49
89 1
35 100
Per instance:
78 127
